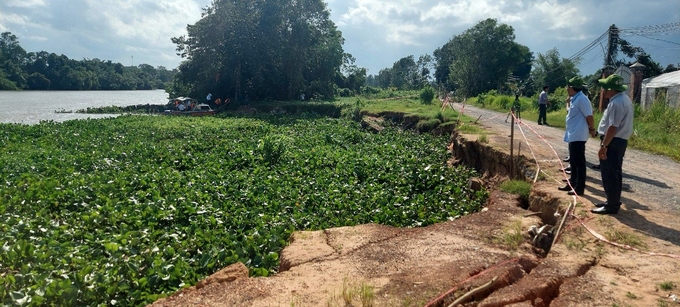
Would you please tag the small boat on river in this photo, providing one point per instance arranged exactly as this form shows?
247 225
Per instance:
185 106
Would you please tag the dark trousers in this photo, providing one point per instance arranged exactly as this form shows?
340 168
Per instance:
577 156
611 170
541 113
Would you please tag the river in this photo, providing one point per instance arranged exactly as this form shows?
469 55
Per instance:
31 107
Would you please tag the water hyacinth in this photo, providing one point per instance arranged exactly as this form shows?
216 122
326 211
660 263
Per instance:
124 211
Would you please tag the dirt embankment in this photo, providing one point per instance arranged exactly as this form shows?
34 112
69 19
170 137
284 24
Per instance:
484 259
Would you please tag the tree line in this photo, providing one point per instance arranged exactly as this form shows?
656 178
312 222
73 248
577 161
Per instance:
280 50
486 57
48 71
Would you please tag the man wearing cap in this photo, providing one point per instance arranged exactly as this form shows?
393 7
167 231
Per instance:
617 126
579 124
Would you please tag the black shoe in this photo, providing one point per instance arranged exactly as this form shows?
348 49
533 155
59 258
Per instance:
540 124
574 193
546 124
595 166
567 159
604 210
565 188
600 205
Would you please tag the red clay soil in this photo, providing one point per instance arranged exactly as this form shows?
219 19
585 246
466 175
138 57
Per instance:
486 259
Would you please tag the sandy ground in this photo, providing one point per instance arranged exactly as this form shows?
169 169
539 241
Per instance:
374 265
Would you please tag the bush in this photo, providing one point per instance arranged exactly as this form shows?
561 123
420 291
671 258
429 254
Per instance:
426 95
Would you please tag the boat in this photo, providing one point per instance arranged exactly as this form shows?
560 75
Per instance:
186 106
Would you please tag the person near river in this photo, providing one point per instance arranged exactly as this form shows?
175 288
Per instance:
579 125
616 126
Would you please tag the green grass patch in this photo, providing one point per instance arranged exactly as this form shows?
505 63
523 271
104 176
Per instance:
518 187
667 285
130 209
511 236
624 237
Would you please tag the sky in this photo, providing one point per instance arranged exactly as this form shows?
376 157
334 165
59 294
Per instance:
377 32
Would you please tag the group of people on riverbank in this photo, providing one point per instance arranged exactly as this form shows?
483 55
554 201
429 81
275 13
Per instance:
614 129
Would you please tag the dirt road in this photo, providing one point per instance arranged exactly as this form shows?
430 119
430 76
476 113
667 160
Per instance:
651 182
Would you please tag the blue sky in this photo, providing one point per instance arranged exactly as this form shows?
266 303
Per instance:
377 32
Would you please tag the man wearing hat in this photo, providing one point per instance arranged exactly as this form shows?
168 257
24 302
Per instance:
616 126
579 125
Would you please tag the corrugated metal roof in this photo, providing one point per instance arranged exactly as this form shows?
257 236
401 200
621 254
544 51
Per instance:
670 79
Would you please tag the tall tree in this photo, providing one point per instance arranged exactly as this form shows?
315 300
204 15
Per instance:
482 58
12 57
553 71
259 49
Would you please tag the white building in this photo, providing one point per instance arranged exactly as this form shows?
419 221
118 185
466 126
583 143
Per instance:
662 87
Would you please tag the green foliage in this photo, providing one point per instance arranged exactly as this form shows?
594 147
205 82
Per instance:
427 124
129 209
557 99
260 50
518 187
667 285
49 71
427 95
553 71
480 59
657 129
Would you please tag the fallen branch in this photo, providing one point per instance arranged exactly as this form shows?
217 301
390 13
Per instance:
473 292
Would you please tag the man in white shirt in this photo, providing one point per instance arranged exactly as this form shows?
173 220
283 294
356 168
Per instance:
617 126
543 106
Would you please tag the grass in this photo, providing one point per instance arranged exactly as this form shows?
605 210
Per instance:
667 285
430 115
349 294
623 237
517 187
511 237
483 138
631 295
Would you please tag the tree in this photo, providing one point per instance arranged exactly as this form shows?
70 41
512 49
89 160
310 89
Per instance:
12 56
352 77
481 59
257 49
553 71
652 68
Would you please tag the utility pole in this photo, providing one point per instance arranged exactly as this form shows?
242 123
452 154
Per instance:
612 46
609 61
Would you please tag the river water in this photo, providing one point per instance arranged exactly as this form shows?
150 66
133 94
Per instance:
31 107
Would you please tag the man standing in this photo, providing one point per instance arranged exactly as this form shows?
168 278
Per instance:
617 126
543 106
579 125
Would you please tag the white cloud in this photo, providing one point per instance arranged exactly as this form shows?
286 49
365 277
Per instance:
377 32
25 3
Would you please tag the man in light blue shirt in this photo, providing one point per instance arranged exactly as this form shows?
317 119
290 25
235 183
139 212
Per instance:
579 125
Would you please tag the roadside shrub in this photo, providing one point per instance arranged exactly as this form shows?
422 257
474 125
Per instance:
345 92
426 95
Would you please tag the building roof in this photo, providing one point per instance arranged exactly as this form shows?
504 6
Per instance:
670 79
